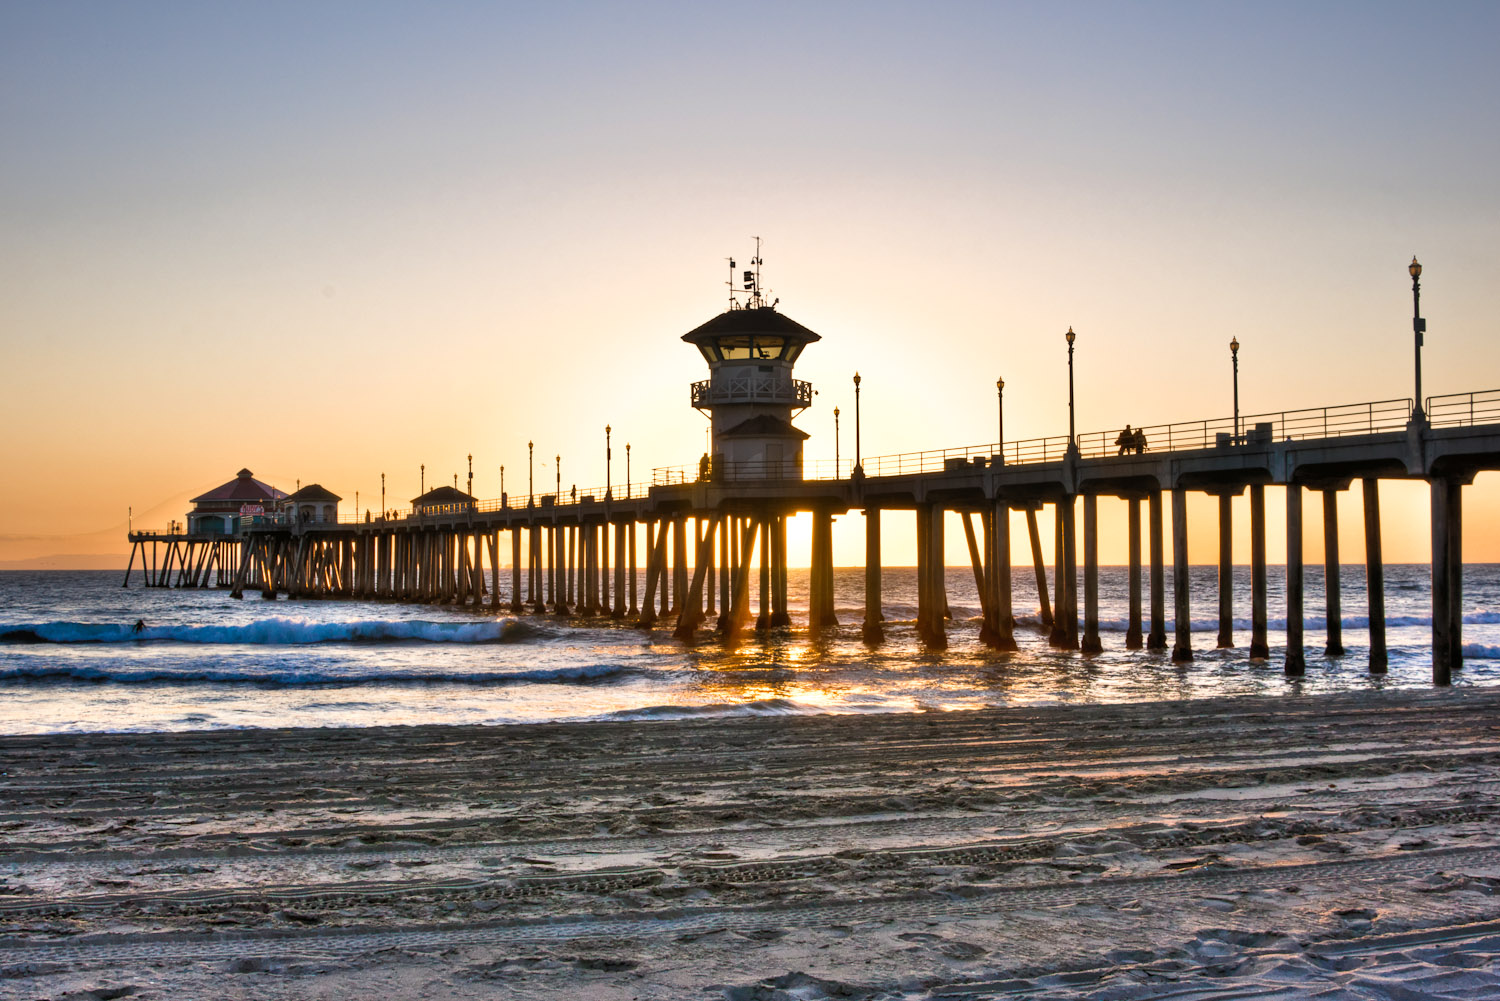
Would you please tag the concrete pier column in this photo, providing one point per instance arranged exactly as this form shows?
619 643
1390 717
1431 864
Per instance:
515 570
1331 582
1038 567
1259 650
1226 572
872 630
617 606
1182 645
821 614
726 566
1447 579
764 620
1157 638
930 597
999 576
679 562
630 574
1133 640
1059 635
1375 576
1296 663
1090 642
781 615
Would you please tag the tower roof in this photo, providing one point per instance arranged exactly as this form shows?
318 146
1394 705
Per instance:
315 492
244 487
765 426
761 321
442 495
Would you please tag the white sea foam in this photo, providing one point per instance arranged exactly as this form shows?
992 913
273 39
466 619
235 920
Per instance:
276 632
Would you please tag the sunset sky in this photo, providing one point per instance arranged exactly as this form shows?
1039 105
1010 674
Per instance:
331 240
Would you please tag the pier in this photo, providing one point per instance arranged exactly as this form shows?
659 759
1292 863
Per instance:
703 530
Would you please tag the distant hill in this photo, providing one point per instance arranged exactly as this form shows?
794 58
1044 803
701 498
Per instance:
69 561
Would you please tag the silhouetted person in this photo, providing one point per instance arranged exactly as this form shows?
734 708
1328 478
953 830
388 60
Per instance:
1139 441
1126 441
139 627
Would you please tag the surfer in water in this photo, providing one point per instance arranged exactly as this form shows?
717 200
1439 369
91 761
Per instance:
139 627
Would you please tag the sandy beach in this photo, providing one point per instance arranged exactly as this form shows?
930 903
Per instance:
1341 846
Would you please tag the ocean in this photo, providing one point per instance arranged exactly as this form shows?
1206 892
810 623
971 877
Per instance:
70 662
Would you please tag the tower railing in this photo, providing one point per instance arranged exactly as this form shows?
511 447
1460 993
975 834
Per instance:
757 388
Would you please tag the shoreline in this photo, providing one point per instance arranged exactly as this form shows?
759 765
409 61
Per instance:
1230 843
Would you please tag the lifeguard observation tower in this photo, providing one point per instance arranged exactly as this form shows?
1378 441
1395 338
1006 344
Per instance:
750 395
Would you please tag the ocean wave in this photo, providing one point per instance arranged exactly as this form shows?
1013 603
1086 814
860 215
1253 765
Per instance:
292 677
718 710
279 632
1479 651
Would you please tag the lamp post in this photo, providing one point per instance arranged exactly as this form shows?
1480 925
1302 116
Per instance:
608 454
559 479
382 496
1418 328
627 470
1234 353
471 474
835 442
1072 437
1000 400
502 486
423 480
530 472
859 466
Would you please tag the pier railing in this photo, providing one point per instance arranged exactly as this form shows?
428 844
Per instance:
1460 409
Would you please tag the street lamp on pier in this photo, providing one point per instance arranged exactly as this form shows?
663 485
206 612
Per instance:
382 496
627 470
1072 435
471 474
608 454
502 486
835 442
530 472
1234 353
559 480
1418 328
423 480
859 466
1000 400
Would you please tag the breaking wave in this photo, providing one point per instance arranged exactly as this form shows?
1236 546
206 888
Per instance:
294 677
278 632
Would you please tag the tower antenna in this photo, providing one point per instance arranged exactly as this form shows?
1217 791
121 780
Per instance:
759 301
730 283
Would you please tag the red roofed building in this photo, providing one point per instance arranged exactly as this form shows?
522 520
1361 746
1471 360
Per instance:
219 511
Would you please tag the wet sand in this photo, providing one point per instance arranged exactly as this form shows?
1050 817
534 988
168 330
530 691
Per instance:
1344 846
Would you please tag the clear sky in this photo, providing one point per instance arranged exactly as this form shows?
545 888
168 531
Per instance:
330 240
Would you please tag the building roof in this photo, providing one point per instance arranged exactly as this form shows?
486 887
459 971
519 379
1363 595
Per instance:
442 495
244 488
315 492
744 322
765 426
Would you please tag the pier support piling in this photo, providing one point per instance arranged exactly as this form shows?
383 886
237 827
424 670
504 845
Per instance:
1133 638
873 631
1296 663
1259 647
1331 576
1374 576
1447 579
1226 572
1182 647
1090 642
1157 638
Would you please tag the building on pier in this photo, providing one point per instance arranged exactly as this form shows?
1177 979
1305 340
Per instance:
313 504
445 501
226 507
